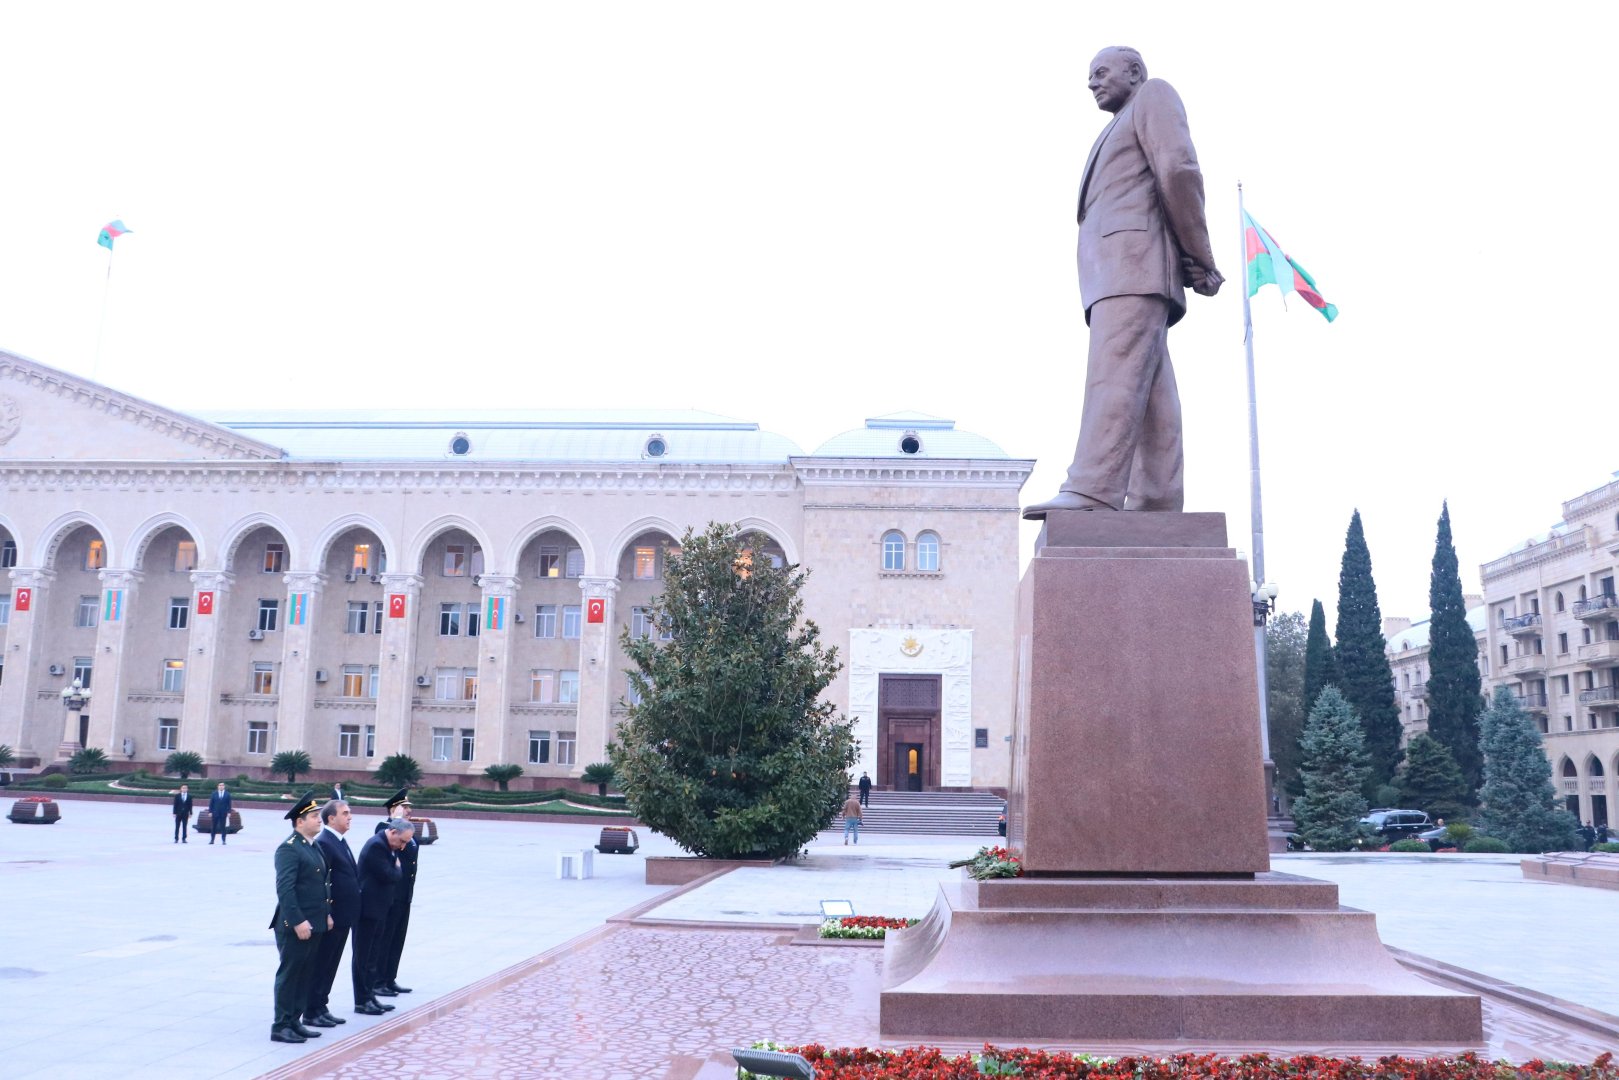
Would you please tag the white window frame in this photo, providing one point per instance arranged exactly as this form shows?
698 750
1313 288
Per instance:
539 748
263 683
443 743
469 744
449 620
258 737
179 612
168 734
572 621
644 563
95 555
927 552
348 740
361 563
567 748
373 682
269 614
550 564
275 557
641 622
370 740
455 560
8 554
182 564
545 620
574 564
85 617
542 686
5 609
353 681
83 670
359 617
568 687
174 676
893 550
447 684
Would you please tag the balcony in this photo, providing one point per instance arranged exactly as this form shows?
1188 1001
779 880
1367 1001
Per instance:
1417 689
1601 697
1599 653
1522 625
1527 666
1533 702
1605 606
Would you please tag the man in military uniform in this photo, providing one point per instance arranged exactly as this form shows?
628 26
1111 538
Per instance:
393 935
302 916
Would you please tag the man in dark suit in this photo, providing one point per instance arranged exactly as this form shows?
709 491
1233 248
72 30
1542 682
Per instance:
379 880
1142 240
219 814
182 814
335 818
865 789
302 917
387 984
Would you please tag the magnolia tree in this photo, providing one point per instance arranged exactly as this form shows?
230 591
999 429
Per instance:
728 748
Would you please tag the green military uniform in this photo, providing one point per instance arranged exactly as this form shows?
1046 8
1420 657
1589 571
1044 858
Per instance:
303 892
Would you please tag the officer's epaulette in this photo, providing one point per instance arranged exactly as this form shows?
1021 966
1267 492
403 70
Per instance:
293 838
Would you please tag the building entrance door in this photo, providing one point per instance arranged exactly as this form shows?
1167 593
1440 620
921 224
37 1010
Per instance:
908 739
908 766
84 730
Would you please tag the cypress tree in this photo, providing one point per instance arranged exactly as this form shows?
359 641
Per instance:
1284 695
1320 665
1454 686
1366 680
1430 780
1334 771
1519 800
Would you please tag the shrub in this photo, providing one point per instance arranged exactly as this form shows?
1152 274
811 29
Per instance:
55 781
399 771
601 774
427 793
91 759
1607 849
1411 846
7 755
1486 845
1459 834
503 774
291 763
184 762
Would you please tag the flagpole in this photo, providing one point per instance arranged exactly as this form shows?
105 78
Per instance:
106 291
1257 514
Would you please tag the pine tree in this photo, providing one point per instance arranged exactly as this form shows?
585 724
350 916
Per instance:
1454 693
1334 771
1320 665
1519 799
1284 695
1430 780
1365 678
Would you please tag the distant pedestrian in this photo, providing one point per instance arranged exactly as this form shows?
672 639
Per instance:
865 790
1604 834
219 814
337 793
851 820
182 814
1588 836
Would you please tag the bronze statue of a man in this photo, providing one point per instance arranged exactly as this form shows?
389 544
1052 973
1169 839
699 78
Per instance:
1142 241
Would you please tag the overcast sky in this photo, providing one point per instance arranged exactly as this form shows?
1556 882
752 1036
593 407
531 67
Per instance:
808 214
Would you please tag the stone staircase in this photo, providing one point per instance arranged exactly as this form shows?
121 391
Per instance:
960 813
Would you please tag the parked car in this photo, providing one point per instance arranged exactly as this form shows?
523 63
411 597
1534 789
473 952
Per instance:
1388 826
1435 838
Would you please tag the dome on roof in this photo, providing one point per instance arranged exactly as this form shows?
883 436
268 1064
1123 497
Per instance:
908 434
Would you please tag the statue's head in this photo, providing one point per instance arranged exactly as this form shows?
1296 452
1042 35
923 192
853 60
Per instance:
1116 74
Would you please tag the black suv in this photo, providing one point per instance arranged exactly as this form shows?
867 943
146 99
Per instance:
1391 825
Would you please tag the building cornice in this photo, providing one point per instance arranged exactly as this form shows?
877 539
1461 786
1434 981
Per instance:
957 472
1548 550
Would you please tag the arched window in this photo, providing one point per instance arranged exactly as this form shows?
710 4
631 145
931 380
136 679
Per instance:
1569 769
1557 601
893 551
927 552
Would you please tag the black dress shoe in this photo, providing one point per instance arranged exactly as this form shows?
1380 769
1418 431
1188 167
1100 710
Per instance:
286 1035
383 990
317 1021
396 988
383 1005
308 1033
365 1008
332 1020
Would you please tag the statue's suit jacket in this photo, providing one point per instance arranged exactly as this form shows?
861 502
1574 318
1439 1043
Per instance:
1141 204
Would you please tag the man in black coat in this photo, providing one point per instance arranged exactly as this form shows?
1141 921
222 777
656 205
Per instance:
865 789
387 982
219 813
335 818
302 917
182 814
379 880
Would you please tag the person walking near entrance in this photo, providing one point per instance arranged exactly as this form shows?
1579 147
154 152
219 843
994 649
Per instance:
865 789
219 814
851 820
182 814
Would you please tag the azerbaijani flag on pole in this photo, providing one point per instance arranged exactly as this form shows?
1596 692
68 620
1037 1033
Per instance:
297 608
495 615
111 231
1268 264
113 609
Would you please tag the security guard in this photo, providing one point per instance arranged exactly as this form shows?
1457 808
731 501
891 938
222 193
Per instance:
393 937
303 894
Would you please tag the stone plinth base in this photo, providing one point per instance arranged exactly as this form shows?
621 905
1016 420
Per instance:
685 869
1598 870
1272 959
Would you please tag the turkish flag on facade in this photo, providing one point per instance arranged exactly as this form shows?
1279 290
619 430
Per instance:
396 605
596 610
25 600
205 603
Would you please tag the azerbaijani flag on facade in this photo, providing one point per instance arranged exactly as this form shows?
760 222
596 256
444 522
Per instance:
1268 264
113 609
495 613
111 231
297 608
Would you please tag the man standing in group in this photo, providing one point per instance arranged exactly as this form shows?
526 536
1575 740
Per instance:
182 814
219 814
335 818
387 965
865 789
1142 241
379 881
303 896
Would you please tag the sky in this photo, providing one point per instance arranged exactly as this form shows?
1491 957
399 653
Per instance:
809 214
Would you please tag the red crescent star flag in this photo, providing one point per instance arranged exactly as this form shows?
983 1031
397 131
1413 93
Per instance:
205 603
25 600
596 610
396 605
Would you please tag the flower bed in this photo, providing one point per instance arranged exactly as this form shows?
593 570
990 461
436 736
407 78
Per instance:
926 1063
991 862
864 926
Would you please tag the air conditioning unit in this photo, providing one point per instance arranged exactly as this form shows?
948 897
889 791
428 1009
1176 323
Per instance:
477 579
351 577
517 617
255 635
320 674
423 680
376 579
56 669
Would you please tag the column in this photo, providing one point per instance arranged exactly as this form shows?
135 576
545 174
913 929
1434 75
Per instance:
107 706
19 689
397 685
210 597
597 693
494 664
297 689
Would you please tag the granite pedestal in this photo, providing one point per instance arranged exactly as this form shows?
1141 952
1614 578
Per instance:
1147 910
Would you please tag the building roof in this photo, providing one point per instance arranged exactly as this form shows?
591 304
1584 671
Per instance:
909 435
678 436
1415 636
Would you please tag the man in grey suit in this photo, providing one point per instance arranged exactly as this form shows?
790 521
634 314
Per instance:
1142 240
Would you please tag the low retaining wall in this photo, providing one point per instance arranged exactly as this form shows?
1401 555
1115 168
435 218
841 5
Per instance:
1595 870
684 869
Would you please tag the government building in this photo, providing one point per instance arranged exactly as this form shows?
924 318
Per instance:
453 585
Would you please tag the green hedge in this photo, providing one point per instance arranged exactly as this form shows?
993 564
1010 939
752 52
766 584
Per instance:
1412 846
1485 845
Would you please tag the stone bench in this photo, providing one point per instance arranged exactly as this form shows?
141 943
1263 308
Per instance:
575 864
618 840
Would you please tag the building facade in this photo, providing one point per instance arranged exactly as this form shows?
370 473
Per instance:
1553 638
1408 659
453 586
